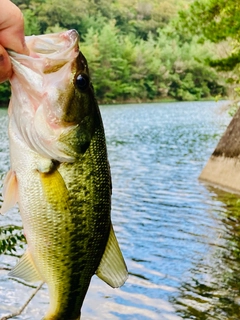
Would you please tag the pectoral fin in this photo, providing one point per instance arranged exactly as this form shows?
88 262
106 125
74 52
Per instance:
10 191
55 190
112 268
25 269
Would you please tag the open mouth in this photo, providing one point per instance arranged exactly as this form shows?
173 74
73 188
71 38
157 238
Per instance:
49 52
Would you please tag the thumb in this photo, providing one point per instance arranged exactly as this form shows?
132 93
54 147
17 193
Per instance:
12 27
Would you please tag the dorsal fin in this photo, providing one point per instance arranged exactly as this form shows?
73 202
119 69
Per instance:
112 268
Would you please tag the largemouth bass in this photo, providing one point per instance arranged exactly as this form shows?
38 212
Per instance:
59 175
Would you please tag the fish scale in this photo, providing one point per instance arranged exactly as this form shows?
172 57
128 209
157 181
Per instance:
60 175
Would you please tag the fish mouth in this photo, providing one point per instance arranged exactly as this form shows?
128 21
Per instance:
53 43
42 84
49 52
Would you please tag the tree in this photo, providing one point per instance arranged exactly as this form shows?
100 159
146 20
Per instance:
134 51
215 20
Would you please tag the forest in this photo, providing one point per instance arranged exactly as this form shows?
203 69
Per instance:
147 50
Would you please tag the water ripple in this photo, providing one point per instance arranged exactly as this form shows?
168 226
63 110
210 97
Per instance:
180 238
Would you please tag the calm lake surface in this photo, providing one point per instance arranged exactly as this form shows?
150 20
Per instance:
180 238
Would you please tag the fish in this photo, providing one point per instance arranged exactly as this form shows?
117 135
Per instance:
59 174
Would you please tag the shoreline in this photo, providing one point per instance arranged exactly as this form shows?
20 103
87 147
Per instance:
141 101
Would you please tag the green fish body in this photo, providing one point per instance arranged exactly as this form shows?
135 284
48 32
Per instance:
59 175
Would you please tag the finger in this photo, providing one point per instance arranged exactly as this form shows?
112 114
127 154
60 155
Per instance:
12 28
5 65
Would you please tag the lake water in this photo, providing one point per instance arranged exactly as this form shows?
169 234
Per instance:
180 238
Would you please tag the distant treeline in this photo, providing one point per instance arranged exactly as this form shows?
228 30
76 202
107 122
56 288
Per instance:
135 49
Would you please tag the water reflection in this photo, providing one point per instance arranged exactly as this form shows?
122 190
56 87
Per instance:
213 291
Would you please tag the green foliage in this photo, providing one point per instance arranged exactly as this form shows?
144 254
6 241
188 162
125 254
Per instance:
133 50
226 64
5 92
233 109
217 21
11 239
129 68
31 24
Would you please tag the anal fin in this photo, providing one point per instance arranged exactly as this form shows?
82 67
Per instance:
112 268
25 269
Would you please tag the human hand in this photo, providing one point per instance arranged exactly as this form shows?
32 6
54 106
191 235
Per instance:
11 36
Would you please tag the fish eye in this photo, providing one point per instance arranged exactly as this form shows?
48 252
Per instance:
82 81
